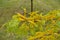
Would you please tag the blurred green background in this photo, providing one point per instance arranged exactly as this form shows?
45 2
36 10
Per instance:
11 7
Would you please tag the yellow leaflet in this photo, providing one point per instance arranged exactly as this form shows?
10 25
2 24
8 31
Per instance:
24 12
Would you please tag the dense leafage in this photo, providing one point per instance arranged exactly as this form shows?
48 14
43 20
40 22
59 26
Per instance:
36 26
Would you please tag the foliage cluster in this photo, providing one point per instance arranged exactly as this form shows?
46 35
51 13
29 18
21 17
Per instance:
34 26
